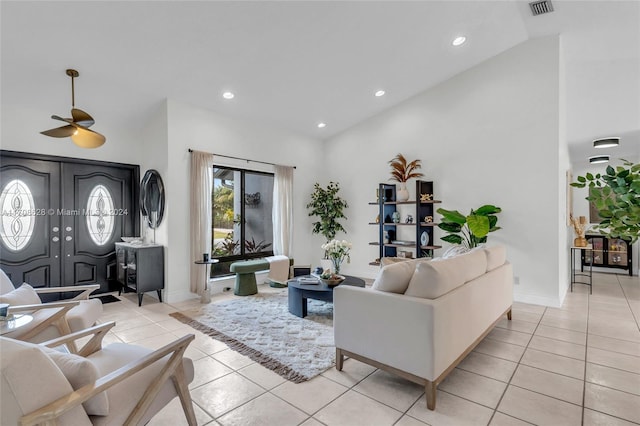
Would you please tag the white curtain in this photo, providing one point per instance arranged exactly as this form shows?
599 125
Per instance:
201 181
282 210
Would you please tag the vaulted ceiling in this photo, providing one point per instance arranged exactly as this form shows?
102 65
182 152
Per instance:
295 64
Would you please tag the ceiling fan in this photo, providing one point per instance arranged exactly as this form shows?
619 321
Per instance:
78 126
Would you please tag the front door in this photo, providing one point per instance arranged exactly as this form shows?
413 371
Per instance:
61 218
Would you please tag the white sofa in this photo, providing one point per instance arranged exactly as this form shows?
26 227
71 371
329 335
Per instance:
421 318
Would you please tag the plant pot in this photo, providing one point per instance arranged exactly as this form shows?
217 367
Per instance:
580 242
402 193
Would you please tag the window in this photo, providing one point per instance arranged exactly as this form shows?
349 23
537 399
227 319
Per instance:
242 224
18 215
100 220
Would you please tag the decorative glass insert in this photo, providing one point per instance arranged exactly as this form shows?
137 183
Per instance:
18 215
100 215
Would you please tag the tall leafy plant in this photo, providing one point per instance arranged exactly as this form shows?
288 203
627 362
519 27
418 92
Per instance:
616 195
470 230
328 207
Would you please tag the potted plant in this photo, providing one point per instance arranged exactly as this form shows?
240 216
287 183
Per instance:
471 230
327 205
401 171
616 195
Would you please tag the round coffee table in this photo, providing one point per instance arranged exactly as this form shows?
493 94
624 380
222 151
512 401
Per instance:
14 322
299 293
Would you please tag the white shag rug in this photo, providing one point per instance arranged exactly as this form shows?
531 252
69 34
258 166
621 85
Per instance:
261 327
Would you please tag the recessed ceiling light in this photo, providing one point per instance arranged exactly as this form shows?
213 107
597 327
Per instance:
322 125
599 159
228 95
459 40
606 142
380 93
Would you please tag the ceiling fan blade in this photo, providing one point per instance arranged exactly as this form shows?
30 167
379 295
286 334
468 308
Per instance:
86 138
66 120
82 118
60 132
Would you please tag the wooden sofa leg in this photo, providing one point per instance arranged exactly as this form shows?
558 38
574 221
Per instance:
509 315
339 359
430 392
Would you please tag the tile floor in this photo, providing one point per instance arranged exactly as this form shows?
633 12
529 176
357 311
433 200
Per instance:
579 364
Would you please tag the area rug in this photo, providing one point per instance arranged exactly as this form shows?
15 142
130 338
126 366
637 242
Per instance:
261 327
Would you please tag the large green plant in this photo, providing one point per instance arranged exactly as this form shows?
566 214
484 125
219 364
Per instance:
469 230
616 195
329 208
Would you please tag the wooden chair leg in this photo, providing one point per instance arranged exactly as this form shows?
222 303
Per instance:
339 359
430 392
180 383
509 315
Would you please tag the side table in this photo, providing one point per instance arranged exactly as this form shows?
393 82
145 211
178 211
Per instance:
583 274
206 296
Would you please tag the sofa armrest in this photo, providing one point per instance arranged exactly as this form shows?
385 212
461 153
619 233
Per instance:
389 328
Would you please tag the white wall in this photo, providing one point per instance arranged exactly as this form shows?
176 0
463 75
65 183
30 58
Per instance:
191 127
488 135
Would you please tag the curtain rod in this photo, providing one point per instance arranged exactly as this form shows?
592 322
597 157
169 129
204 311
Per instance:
245 159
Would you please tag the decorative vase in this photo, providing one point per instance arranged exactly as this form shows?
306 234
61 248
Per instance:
580 242
402 193
424 239
336 265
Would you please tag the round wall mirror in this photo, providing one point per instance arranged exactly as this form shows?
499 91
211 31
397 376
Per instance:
152 198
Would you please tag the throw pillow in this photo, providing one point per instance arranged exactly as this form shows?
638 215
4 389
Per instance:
496 257
79 372
23 295
394 278
6 285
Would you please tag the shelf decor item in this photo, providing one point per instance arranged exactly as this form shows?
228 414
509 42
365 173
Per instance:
337 251
579 227
424 239
401 171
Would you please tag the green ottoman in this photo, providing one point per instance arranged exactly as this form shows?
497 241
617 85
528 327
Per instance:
246 275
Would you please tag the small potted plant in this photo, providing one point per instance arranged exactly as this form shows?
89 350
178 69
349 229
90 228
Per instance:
401 171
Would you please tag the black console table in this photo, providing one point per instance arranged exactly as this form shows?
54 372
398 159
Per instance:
608 253
140 268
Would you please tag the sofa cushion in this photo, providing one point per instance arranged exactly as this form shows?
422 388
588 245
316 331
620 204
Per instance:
395 277
496 257
79 372
29 381
85 314
23 295
434 279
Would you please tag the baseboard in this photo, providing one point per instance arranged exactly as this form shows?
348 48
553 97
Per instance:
534 299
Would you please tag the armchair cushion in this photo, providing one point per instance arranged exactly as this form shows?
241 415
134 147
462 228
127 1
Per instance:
80 371
433 279
29 381
5 283
125 394
23 295
84 315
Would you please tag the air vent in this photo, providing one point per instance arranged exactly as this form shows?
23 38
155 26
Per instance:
540 7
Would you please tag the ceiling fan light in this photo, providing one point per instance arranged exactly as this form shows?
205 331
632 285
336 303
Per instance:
599 159
88 139
606 142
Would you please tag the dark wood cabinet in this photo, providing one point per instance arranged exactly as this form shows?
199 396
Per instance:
608 253
140 268
421 210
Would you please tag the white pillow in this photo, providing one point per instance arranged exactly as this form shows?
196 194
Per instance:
496 257
79 372
394 278
434 279
23 295
6 285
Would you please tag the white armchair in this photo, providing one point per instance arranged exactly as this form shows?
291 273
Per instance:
52 319
120 384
